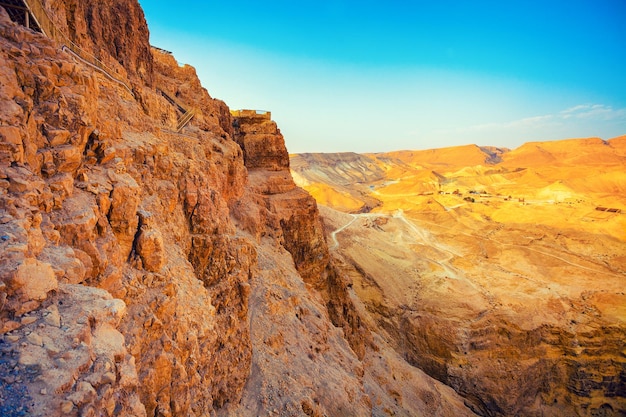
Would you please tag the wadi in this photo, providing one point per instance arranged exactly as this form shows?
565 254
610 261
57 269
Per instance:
499 272
162 254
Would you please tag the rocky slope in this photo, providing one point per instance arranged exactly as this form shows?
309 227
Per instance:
148 272
500 273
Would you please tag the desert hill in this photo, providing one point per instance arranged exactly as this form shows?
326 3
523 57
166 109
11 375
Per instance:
499 272
587 171
456 156
571 152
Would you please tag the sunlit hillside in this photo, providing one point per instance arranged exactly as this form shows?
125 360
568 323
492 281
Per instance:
561 183
499 272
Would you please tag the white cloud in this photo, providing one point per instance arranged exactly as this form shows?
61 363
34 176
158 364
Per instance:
594 112
527 122
583 120
586 112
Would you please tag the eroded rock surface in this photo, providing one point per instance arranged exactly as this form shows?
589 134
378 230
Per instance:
149 272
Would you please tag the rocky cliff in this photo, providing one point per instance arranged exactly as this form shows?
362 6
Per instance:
114 32
149 272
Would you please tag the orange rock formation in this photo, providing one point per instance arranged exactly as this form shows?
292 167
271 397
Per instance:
148 272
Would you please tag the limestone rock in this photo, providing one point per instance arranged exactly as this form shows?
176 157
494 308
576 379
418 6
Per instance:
30 284
91 26
222 301
11 147
262 143
150 249
72 364
66 262
123 216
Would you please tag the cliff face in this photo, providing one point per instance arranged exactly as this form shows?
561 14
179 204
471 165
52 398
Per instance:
93 204
147 272
115 32
291 217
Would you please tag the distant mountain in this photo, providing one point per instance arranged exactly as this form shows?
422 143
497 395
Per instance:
499 272
589 165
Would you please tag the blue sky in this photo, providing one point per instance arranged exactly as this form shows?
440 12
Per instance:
373 76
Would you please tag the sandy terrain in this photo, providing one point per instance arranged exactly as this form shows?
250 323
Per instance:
495 274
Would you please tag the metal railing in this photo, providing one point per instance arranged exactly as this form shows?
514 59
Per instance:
48 28
255 114
187 114
185 120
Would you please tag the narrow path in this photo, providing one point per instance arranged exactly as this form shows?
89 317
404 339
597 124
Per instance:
333 235
428 240
475 236
421 235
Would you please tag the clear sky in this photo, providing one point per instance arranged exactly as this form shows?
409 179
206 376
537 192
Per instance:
371 76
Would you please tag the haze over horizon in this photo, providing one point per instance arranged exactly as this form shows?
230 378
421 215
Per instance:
373 77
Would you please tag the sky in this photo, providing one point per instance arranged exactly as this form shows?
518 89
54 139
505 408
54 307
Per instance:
376 76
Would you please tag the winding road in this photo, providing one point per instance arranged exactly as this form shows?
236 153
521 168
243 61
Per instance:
424 236
333 235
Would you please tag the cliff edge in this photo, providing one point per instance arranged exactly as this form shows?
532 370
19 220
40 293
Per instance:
153 269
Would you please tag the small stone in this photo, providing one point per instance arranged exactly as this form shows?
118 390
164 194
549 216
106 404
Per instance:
43 391
88 411
10 325
34 339
84 393
108 378
12 338
67 407
52 316
25 321
110 406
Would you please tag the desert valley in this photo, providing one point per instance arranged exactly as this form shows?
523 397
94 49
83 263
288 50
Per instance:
162 254
500 273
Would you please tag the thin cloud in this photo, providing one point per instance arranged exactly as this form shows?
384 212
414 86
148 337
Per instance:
594 112
536 121
582 112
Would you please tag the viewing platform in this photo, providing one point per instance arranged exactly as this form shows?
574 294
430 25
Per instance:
252 114
21 13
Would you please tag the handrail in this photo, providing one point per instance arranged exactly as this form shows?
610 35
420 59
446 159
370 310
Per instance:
187 114
170 97
84 61
48 28
185 120
255 114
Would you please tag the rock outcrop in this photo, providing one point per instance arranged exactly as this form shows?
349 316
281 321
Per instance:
149 272
116 33
291 217
90 199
